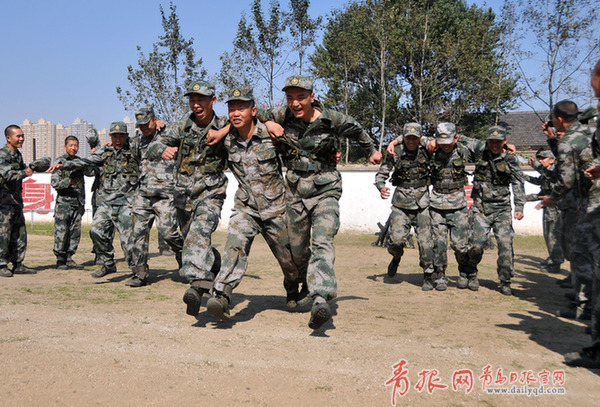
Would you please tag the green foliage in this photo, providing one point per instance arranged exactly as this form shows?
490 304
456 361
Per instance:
302 28
163 74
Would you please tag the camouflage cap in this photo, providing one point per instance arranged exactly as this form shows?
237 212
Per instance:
299 81
445 133
200 88
144 115
544 154
118 128
243 94
496 133
92 138
412 129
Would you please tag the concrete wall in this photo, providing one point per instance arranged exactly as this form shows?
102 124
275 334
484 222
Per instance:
360 207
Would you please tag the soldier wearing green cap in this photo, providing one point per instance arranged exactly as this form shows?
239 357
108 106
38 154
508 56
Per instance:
153 199
120 176
259 203
200 186
310 133
495 172
410 205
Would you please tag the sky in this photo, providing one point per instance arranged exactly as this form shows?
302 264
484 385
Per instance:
63 59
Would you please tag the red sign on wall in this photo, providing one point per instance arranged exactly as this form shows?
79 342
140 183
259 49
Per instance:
36 195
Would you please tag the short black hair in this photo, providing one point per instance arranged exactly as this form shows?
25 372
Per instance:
70 138
9 129
566 109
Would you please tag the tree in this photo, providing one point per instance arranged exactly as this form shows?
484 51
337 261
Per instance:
163 75
302 28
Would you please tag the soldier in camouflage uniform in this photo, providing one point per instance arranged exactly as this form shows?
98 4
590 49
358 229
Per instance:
200 186
121 171
68 208
314 185
410 204
576 138
13 233
259 203
495 172
552 224
153 200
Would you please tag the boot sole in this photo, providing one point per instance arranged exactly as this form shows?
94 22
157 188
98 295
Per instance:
319 316
192 300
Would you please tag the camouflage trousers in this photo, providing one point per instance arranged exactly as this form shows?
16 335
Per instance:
500 221
311 234
552 224
582 258
594 246
105 221
242 229
569 217
144 210
453 222
67 230
13 235
401 221
197 227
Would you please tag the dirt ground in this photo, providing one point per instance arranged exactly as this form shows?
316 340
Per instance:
67 339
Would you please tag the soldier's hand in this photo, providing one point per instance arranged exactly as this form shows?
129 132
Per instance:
546 201
376 158
530 161
275 130
54 167
214 136
28 172
547 130
539 205
92 151
169 153
337 157
432 146
160 125
593 172
384 192
390 148
519 215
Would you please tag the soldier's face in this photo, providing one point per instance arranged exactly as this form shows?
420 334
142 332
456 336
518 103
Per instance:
546 162
72 147
447 148
118 140
202 107
411 142
241 114
496 146
300 103
16 139
149 128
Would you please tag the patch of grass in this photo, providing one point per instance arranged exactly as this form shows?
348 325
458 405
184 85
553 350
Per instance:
323 388
16 339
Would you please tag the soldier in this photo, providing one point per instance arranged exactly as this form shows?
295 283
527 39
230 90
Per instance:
200 186
570 183
69 207
121 171
153 200
13 233
259 203
410 205
314 185
552 224
495 172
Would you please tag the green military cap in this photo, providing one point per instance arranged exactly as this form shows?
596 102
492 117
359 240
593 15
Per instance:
412 129
118 128
200 88
496 133
445 133
587 114
144 115
299 81
243 94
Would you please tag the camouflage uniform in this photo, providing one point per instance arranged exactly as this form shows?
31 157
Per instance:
13 233
200 187
410 203
314 186
153 200
121 171
68 209
552 223
492 209
259 206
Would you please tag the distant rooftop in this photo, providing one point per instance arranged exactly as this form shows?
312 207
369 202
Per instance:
524 129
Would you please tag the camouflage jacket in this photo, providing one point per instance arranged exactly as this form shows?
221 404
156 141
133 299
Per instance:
121 171
493 178
156 174
411 172
309 152
69 185
12 172
256 166
545 180
199 167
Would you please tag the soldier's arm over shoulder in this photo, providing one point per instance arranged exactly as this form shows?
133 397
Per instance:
347 126
384 171
8 171
474 146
